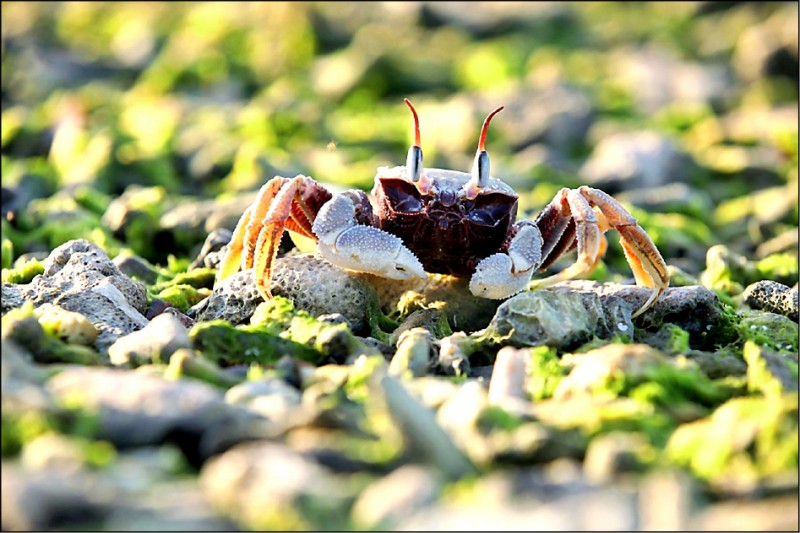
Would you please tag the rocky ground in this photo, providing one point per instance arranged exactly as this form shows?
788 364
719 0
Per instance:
137 393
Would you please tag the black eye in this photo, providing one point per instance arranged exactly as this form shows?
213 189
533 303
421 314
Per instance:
491 208
402 196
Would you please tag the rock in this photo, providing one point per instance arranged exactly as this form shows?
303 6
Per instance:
313 284
209 255
769 48
597 368
138 409
507 388
414 353
768 372
425 440
667 500
393 498
267 486
636 160
135 267
320 288
156 342
657 79
773 297
79 277
234 300
776 332
71 327
49 499
694 309
615 453
558 318
776 513
269 397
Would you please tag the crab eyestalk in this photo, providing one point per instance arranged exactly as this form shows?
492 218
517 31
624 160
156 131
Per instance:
480 167
414 158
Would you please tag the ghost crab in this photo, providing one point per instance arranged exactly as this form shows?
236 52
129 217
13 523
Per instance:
444 221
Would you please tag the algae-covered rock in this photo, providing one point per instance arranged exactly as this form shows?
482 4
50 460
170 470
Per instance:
22 327
558 318
769 373
743 442
769 329
268 486
731 272
69 326
226 344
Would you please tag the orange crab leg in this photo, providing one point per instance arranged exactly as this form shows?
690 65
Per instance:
229 264
269 191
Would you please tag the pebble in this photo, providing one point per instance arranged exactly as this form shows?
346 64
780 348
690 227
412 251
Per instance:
156 342
773 297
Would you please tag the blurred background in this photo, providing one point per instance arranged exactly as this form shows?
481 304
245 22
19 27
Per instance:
686 111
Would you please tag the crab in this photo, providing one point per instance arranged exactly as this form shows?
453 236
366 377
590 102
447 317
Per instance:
420 220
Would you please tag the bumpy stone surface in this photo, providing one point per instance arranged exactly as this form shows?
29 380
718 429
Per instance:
320 288
559 318
235 300
155 342
773 297
192 413
695 308
313 284
209 255
79 276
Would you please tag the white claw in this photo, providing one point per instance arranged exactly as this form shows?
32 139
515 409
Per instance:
494 278
369 249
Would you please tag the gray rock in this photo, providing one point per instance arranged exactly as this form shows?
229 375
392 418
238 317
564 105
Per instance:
136 409
313 284
507 386
234 300
414 353
695 308
79 276
636 160
395 497
425 439
156 342
135 267
51 498
612 454
209 255
192 221
657 79
267 486
559 318
773 297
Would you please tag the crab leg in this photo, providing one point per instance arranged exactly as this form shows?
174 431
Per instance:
595 212
281 203
347 244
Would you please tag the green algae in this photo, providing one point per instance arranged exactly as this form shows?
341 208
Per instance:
23 273
6 253
226 344
545 372
771 330
22 326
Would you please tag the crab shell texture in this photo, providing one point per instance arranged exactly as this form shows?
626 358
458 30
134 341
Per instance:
448 232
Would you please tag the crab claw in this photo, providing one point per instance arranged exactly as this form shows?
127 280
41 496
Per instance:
494 278
371 250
